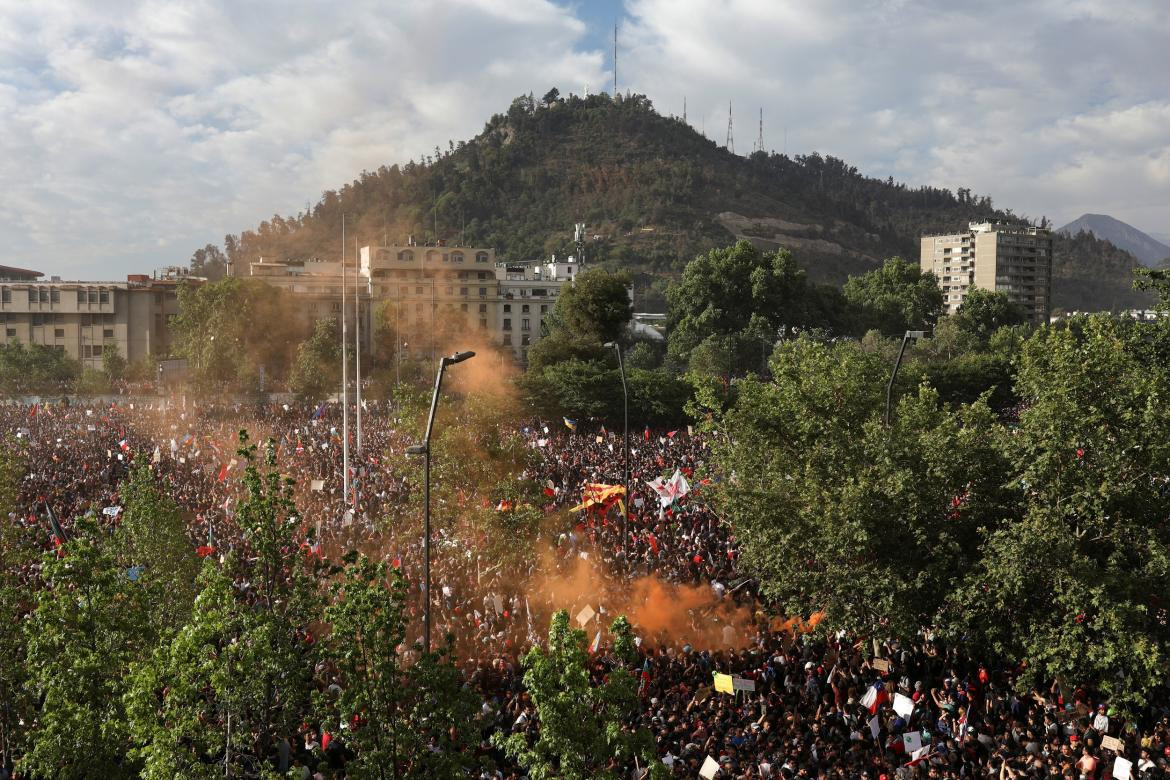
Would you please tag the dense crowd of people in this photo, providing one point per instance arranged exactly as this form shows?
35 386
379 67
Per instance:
803 703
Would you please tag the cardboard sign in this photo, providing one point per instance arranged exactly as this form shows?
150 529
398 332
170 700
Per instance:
1112 743
724 683
710 769
903 705
881 665
743 684
317 485
585 615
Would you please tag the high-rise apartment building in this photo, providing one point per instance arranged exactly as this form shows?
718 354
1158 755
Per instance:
1008 258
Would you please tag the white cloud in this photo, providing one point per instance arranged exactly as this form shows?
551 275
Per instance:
132 131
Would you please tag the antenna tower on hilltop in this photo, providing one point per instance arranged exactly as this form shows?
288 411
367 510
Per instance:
615 92
760 143
579 240
684 109
730 143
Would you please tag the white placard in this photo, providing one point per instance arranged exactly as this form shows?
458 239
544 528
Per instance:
585 615
903 705
710 768
1122 768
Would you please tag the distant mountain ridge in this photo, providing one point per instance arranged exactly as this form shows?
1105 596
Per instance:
1141 245
653 193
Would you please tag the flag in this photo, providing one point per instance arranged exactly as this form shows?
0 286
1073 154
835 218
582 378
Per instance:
875 697
157 457
223 472
593 648
570 424
671 434
124 445
646 433
58 532
318 412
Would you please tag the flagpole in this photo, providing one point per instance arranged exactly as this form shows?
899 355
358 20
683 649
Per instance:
344 379
357 347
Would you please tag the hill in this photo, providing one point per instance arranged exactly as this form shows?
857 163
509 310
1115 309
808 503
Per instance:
1144 247
653 193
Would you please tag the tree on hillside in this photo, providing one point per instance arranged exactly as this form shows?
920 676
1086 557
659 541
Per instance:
209 262
983 312
896 297
739 297
583 728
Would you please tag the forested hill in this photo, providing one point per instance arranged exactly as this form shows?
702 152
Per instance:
653 193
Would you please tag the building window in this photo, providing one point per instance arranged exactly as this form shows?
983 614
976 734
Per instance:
482 324
482 308
463 291
524 341
11 333
525 324
507 339
432 256
544 308
44 295
449 291
403 291
59 333
6 295
103 296
463 306
108 333
406 256
507 308
93 297
97 350
483 275
507 323
55 296
456 257
482 292
418 308
524 308
335 306
418 291
481 257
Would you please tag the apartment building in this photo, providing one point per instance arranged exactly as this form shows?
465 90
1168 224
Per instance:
1009 258
432 296
84 319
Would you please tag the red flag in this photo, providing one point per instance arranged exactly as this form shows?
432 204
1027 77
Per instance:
670 434
223 470
650 537
646 433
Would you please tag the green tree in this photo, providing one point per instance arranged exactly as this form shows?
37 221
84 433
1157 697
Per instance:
983 312
90 623
153 534
239 674
17 552
896 297
413 722
1076 588
584 729
836 511
28 369
209 262
596 306
113 364
737 296
316 373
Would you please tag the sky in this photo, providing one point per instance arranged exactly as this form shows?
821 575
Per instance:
134 131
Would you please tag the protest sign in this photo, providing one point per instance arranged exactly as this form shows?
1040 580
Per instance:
1112 743
903 705
585 615
724 683
317 485
912 741
743 684
710 769
1122 768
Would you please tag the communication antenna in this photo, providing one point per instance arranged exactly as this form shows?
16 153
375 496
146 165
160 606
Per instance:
615 91
579 240
684 109
730 143
760 143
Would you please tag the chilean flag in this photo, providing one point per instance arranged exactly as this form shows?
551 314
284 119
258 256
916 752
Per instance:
875 697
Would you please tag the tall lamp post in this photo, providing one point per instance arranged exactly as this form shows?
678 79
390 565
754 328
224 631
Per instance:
424 449
626 442
910 337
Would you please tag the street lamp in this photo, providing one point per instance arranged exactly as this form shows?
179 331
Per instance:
626 442
910 337
424 449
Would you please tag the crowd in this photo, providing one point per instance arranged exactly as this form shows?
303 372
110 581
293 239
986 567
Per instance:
802 704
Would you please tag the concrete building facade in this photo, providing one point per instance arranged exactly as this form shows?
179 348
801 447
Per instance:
85 319
1008 258
432 296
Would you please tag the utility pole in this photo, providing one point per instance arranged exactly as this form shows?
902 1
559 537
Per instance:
357 346
684 109
730 143
344 379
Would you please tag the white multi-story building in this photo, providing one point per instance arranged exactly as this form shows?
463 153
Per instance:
1009 258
